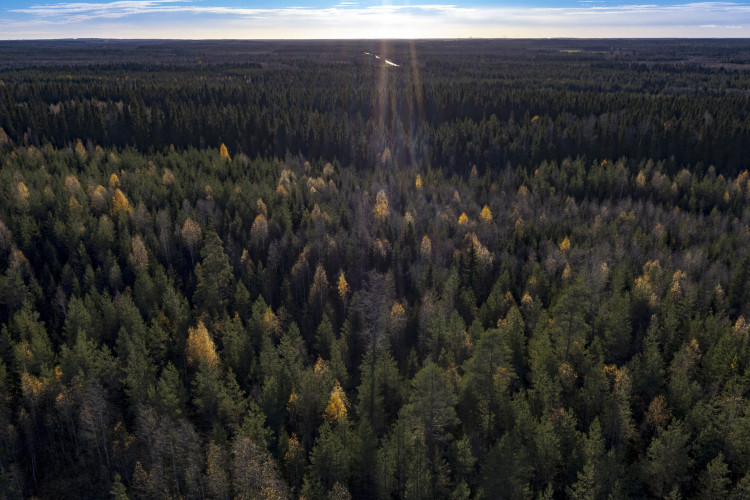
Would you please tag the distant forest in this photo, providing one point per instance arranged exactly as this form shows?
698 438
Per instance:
474 269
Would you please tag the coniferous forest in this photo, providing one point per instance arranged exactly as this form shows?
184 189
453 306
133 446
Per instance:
459 269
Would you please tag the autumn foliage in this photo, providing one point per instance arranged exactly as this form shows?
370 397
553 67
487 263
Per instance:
337 404
381 209
200 347
224 153
120 203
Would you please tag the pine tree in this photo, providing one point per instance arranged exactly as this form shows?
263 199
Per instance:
669 462
214 276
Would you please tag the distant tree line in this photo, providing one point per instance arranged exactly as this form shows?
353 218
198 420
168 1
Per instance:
439 108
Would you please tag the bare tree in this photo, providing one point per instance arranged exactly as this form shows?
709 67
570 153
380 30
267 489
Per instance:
164 226
254 473
374 304
95 419
192 236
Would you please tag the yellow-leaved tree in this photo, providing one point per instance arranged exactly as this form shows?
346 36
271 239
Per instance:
398 317
565 245
425 249
271 322
486 215
200 347
168 178
381 209
80 151
343 286
20 193
224 153
120 203
318 290
73 205
640 180
261 207
337 403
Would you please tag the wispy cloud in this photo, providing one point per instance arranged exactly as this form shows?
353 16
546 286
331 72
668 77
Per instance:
350 19
73 12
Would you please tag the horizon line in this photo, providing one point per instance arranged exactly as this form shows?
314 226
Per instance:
92 39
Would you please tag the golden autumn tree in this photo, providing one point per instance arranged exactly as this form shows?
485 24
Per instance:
80 151
640 180
658 414
168 178
261 207
337 404
566 272
114 181
397 319
285 180
200 347
486 214
425 248
483 255
565 244
319 288
20 193
343 286
381 209
381 247
120 203
73 205
224 153
271 323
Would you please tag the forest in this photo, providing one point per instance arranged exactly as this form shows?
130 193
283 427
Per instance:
465 269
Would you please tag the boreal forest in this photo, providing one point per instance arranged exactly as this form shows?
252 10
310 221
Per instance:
467 269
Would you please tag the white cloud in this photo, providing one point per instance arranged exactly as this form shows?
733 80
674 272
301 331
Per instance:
76 11
348 19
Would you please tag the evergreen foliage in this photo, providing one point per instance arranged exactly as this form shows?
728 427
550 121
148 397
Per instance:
280 276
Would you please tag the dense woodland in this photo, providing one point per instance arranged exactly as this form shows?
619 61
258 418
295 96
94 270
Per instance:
499 269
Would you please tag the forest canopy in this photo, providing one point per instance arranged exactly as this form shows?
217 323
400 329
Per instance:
500 269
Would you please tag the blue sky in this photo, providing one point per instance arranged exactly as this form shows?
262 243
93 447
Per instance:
261 19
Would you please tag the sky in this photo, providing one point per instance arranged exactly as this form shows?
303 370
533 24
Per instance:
316 19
